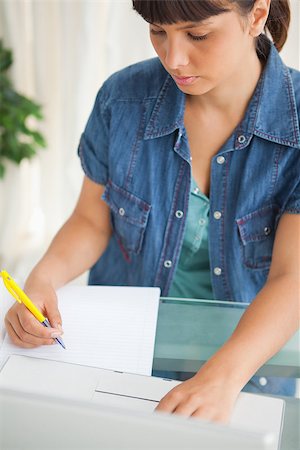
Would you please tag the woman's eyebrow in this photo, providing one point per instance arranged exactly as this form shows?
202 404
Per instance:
188 25
194 25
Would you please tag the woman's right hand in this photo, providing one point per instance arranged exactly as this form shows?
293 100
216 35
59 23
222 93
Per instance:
21 325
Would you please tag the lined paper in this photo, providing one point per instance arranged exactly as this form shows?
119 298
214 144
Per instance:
106 327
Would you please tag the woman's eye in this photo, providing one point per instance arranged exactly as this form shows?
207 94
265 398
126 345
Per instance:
193 37
197 38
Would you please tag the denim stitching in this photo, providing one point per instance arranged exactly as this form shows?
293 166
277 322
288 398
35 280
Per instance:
171 127
143 206
292 101
275 139
169 228
292 210
136 146
224 274
271 211
261 212
85 167
274 177
256 103
251 117
158 103
181 229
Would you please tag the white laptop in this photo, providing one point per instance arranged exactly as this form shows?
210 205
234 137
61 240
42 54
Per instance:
57 391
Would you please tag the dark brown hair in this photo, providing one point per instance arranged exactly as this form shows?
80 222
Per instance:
172 11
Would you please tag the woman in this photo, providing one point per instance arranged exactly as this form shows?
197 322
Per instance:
192 184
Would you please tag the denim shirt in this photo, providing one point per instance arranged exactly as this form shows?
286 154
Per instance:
135 144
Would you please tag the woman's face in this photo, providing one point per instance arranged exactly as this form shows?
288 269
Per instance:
202 55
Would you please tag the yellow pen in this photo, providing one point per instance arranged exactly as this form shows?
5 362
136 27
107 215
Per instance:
21 297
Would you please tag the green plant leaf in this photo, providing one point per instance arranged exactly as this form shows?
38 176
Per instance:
2 170
17 140
5 58
38 138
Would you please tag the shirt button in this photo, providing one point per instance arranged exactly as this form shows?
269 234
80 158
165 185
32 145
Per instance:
168 264
241 139
121 211
196 190
202 222
179 214
217 271
217 215
267 231
262 381
220 159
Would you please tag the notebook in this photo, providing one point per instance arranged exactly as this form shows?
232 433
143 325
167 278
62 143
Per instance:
104 326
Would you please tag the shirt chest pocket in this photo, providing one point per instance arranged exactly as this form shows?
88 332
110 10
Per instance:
257 234
129 215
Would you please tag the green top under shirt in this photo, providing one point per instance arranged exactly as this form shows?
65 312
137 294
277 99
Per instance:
192 276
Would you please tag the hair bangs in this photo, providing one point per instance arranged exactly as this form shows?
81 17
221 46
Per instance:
173 11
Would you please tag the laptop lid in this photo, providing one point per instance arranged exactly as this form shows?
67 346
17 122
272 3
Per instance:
38 422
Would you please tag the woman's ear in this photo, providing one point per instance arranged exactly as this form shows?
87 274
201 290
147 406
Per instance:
258 17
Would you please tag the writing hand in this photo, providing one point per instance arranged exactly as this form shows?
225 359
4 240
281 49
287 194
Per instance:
23 328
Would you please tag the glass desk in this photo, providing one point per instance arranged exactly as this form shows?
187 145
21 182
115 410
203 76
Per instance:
189 331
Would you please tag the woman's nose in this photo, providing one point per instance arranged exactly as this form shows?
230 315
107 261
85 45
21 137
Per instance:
176 55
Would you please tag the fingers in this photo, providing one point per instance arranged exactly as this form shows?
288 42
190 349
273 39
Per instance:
212 414
25 330
192 406
49 302
53 315
17 340
178 403
169 402
192 400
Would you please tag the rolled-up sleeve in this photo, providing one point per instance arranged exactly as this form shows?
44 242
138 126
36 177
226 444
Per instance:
94 142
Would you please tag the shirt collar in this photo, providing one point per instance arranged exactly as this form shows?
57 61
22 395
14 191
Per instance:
272 111
271 114
168 112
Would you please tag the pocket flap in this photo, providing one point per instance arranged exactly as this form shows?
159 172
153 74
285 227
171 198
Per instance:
258 225
125 205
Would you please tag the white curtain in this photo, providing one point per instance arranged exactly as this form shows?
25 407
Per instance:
63 50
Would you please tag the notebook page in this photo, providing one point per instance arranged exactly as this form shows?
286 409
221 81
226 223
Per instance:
106 327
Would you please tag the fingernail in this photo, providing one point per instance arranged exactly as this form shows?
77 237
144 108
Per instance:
55 335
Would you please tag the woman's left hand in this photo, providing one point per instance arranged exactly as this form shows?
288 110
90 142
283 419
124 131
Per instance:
206 397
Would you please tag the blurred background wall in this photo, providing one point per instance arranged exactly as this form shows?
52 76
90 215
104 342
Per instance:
63 50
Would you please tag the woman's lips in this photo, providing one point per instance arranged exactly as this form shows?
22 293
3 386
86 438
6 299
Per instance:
185 81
